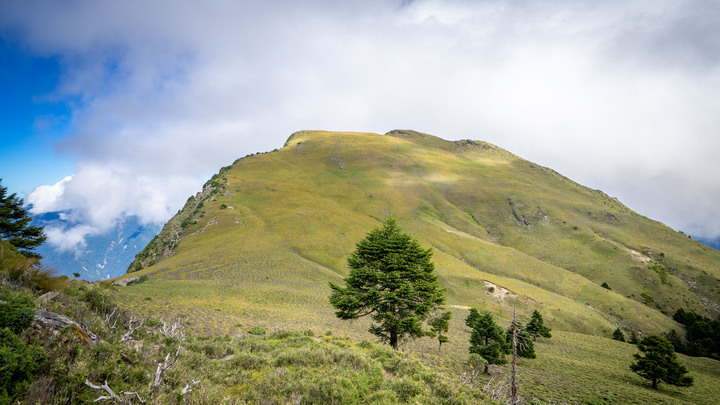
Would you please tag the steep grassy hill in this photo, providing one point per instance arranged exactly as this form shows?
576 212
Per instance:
259 244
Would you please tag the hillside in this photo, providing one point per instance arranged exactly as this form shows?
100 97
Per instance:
260 243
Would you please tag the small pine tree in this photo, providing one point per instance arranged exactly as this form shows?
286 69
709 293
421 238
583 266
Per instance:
660 364
439 325
536 326
605 285
618 335
487 339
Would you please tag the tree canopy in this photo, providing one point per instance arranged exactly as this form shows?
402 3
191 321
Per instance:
15 225
487 339
536 326
660 364
392 279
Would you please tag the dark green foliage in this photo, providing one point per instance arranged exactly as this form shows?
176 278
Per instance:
16 313
485 330
391 278
536 326
605 285
18 362
472 318
618 335
257 330
660 364
15 224
676 340
439 325
487 339
703 334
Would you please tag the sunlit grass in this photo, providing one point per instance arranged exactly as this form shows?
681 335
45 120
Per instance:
292 217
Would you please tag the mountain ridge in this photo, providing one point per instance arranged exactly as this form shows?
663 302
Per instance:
280 224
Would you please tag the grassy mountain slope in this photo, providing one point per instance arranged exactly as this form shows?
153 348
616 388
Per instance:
272 229
259 244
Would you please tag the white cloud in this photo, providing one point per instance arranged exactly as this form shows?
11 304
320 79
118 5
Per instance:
618 95
48 198
65 239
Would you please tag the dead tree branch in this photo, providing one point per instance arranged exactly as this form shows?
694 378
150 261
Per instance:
132 325
162 367
111 395
188 387
172 330
112 318
103 387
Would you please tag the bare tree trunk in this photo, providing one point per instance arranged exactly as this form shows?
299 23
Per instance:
513 381
393 340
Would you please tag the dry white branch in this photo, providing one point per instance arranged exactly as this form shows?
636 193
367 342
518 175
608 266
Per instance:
188 387
103 387
497 391
136 395
172 330
132 325
111 319
111 395
469 378
162 367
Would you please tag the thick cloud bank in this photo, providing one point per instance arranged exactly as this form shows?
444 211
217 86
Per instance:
618 95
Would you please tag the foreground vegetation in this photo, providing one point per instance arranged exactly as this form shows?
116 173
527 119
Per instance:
106 352
303 366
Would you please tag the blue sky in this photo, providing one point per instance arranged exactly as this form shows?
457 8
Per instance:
139 102
31 120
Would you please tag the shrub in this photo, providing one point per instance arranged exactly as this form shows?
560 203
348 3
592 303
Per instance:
16 313
605 285
257 330
618 335
18 362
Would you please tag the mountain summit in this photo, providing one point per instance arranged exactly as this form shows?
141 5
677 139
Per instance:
264 237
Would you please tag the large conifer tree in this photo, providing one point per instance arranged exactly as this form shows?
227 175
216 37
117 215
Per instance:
15 225
660 364
392 279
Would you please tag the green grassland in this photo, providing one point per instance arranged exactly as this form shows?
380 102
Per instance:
259 245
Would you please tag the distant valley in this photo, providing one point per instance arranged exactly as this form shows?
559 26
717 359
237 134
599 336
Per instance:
104 255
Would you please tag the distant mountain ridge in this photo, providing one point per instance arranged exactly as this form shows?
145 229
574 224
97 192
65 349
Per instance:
104 255
264 237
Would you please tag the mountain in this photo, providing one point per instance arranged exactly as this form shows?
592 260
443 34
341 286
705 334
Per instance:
265 235
104 255
259 243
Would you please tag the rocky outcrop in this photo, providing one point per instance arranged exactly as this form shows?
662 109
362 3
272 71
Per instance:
50 323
